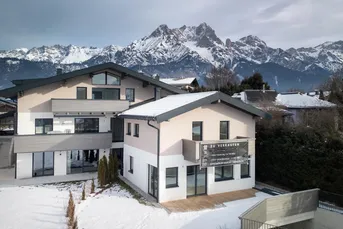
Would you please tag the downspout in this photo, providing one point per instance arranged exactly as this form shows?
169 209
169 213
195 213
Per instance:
158 160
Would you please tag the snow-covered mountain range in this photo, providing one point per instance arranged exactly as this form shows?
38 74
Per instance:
184 51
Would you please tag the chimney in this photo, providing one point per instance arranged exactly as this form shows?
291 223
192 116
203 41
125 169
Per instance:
156 77
264 88
59 71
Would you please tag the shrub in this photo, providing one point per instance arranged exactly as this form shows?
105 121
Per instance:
71 210
75 224
92 186
113 168
106 173
84 192
101 173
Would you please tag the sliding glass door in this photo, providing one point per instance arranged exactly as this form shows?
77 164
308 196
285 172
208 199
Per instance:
81 161
196 180
43 164
152 181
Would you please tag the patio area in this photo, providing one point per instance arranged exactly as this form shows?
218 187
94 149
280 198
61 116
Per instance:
207 201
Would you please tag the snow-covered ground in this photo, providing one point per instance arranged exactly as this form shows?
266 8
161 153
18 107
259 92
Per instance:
45 206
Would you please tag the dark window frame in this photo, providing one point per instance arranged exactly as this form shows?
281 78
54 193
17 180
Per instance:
201 130
246 176
177 178
44 124
128 128
227 130
131 164
134 94
106 80
81 88
223 178
43 164
76 130
136 130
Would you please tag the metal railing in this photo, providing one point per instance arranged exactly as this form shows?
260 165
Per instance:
252 224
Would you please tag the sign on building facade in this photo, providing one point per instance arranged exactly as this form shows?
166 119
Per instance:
221 154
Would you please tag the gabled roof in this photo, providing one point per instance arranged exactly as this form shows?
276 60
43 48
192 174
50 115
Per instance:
173 105
32 83
301 101
179 81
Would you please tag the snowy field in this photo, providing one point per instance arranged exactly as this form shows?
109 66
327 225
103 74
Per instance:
45 206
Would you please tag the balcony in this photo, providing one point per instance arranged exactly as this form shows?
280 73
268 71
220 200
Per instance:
88 105
208 153
61 142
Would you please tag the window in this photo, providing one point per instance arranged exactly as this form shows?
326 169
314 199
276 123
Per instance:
81 93
106 93
171 177
136 130
131 165
128 129
130 94
86 125
117 128
223 173
43 126
105 78
197 131
245 170
224 130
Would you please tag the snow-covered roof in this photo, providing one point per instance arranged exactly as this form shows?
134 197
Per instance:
296 100
173 105
178 81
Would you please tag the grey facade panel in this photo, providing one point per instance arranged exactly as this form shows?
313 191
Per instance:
60 142
88 105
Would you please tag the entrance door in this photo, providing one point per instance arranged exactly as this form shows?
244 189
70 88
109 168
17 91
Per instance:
196 180
43 164
153 181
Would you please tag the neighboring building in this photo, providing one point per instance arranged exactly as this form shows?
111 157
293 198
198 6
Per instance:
316 94
198 143
257 98
303 106
65 123
182 83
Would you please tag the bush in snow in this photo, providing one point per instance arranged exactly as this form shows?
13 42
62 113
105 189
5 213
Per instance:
84 192
75 224
71 209
106 173
113 169
92 186
101 173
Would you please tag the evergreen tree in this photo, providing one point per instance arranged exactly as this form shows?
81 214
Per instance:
115 166
254 82
84 192
92 186
106 173
101 173
111 169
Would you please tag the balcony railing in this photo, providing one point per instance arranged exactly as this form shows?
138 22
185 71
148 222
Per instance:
88 105
61 142
192 149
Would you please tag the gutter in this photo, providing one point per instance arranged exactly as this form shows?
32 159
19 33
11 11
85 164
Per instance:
158 159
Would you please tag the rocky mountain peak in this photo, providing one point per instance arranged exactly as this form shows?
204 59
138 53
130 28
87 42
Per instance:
161 30
253 41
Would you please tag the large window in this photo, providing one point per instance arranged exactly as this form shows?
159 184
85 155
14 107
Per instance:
106 93
136 130
43 126
223 173
171 177
224 130
197 131
130 94
81 93
43 164
105 78
131 165
80 161
245 170
117 128
86 125
128 129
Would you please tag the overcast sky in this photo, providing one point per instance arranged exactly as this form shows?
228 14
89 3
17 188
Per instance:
281 23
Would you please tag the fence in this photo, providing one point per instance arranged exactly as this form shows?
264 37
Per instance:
252 224
331 201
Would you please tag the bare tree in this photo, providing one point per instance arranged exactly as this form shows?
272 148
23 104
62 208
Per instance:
220 77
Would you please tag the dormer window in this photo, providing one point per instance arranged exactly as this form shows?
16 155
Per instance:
105 78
